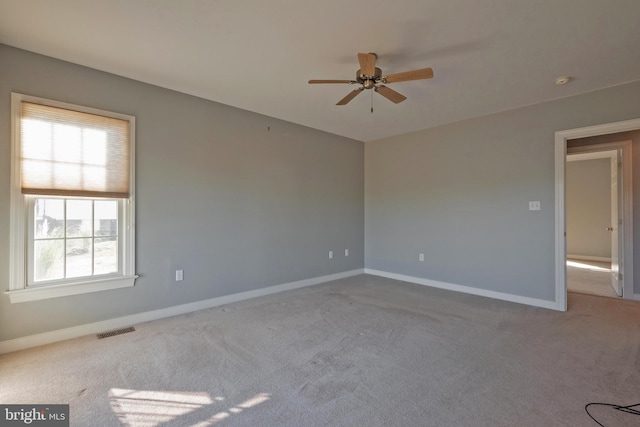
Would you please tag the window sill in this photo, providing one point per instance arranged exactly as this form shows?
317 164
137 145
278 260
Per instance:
55 291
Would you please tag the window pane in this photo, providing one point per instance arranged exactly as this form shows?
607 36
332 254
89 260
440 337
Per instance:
106 255
48 259
75 238
106 218
49 218
78 257
79 218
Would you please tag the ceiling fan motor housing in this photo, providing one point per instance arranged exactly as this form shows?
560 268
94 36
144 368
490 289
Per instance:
368 82
370 77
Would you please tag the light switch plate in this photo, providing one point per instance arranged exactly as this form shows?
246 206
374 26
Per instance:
534 206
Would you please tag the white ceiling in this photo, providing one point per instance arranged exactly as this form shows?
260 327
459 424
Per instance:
487 55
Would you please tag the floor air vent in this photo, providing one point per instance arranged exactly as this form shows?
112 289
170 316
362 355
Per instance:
116 332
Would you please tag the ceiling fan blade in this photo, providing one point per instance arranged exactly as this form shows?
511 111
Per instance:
350 96
367 63
390 94
424 73
313 82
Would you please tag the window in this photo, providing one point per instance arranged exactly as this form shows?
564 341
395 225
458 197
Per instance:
72 204
72 238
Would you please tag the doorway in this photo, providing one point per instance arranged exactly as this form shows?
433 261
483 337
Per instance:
595 238
626 264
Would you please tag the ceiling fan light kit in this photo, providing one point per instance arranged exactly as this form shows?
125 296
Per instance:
370 77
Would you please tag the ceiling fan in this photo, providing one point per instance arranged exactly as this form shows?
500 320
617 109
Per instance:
370 77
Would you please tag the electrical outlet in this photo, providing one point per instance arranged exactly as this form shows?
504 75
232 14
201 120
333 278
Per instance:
179 275
330 254
421 257
346 252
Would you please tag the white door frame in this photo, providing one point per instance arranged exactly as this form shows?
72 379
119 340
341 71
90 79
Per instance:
561 138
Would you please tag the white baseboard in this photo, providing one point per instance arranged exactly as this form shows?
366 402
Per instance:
22 343
553 305
589 258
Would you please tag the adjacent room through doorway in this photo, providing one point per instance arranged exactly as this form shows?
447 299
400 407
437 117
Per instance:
599 214
591 211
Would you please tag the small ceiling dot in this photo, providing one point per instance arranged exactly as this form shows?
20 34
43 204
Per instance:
563 80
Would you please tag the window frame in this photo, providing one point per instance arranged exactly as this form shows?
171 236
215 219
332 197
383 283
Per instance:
19 288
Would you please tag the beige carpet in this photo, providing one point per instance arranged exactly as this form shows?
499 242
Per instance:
590 277
363 351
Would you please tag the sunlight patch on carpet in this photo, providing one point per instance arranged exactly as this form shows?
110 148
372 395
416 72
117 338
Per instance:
586 266
147 408
247 404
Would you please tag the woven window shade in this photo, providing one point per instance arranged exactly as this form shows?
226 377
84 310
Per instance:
71 153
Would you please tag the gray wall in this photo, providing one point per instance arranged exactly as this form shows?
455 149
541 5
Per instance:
459 194
588 207
234 204
634 137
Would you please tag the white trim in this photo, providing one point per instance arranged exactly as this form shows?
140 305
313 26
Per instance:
560 225
595 155
561 138
468 290
589 258
22 343
129 205
603 129
66 105
17 248
67 289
